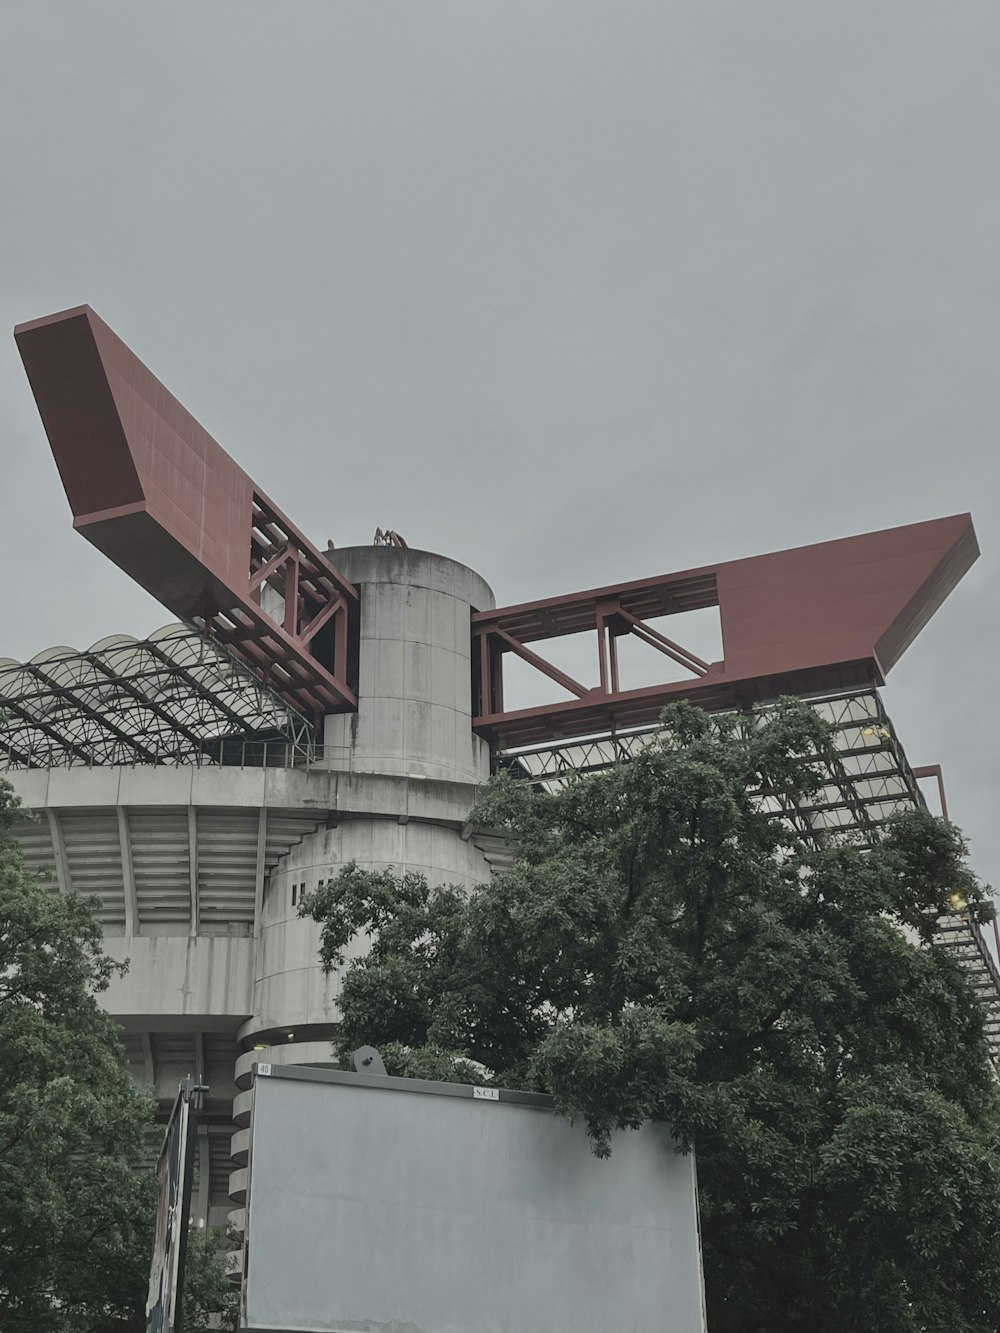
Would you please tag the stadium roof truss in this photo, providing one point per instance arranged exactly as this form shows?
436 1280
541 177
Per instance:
867 777
152 490
174 698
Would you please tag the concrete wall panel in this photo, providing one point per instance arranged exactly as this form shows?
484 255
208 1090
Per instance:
181 976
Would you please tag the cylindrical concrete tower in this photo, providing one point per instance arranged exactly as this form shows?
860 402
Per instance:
414 672
401 773
400 779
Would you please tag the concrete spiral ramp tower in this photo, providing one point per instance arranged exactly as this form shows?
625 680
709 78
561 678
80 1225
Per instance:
398 781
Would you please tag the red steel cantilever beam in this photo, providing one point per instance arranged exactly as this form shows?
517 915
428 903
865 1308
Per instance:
833 616
153 490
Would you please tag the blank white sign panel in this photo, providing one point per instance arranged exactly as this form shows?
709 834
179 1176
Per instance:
380 1206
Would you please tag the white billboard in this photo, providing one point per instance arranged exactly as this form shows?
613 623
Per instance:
392 1205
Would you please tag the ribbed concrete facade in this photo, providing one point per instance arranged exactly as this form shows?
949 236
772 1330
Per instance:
199 870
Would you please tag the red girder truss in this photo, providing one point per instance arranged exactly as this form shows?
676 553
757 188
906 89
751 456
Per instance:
153 490
822 618
150 488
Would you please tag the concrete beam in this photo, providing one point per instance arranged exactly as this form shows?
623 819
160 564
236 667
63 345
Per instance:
204 1176
128 874
258 899
59 851
147 1059
199 1058
193 867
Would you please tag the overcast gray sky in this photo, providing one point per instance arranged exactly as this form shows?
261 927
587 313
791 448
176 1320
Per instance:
573 292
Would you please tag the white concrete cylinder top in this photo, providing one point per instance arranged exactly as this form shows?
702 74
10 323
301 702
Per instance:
414 713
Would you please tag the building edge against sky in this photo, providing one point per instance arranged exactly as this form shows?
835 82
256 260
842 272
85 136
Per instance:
319 708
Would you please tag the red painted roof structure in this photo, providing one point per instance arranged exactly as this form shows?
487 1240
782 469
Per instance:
153 490
829 617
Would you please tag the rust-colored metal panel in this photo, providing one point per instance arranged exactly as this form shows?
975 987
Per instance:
160 497
834 616
75 402
860 597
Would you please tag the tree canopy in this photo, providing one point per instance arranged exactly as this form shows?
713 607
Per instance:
75 1209
211 1301
661 948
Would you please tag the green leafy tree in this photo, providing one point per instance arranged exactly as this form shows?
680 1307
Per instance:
75 1208
664 949
211 1301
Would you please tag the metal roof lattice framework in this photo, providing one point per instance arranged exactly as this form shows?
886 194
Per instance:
174 698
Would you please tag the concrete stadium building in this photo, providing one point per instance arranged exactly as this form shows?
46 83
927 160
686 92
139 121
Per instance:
199 866
313 708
